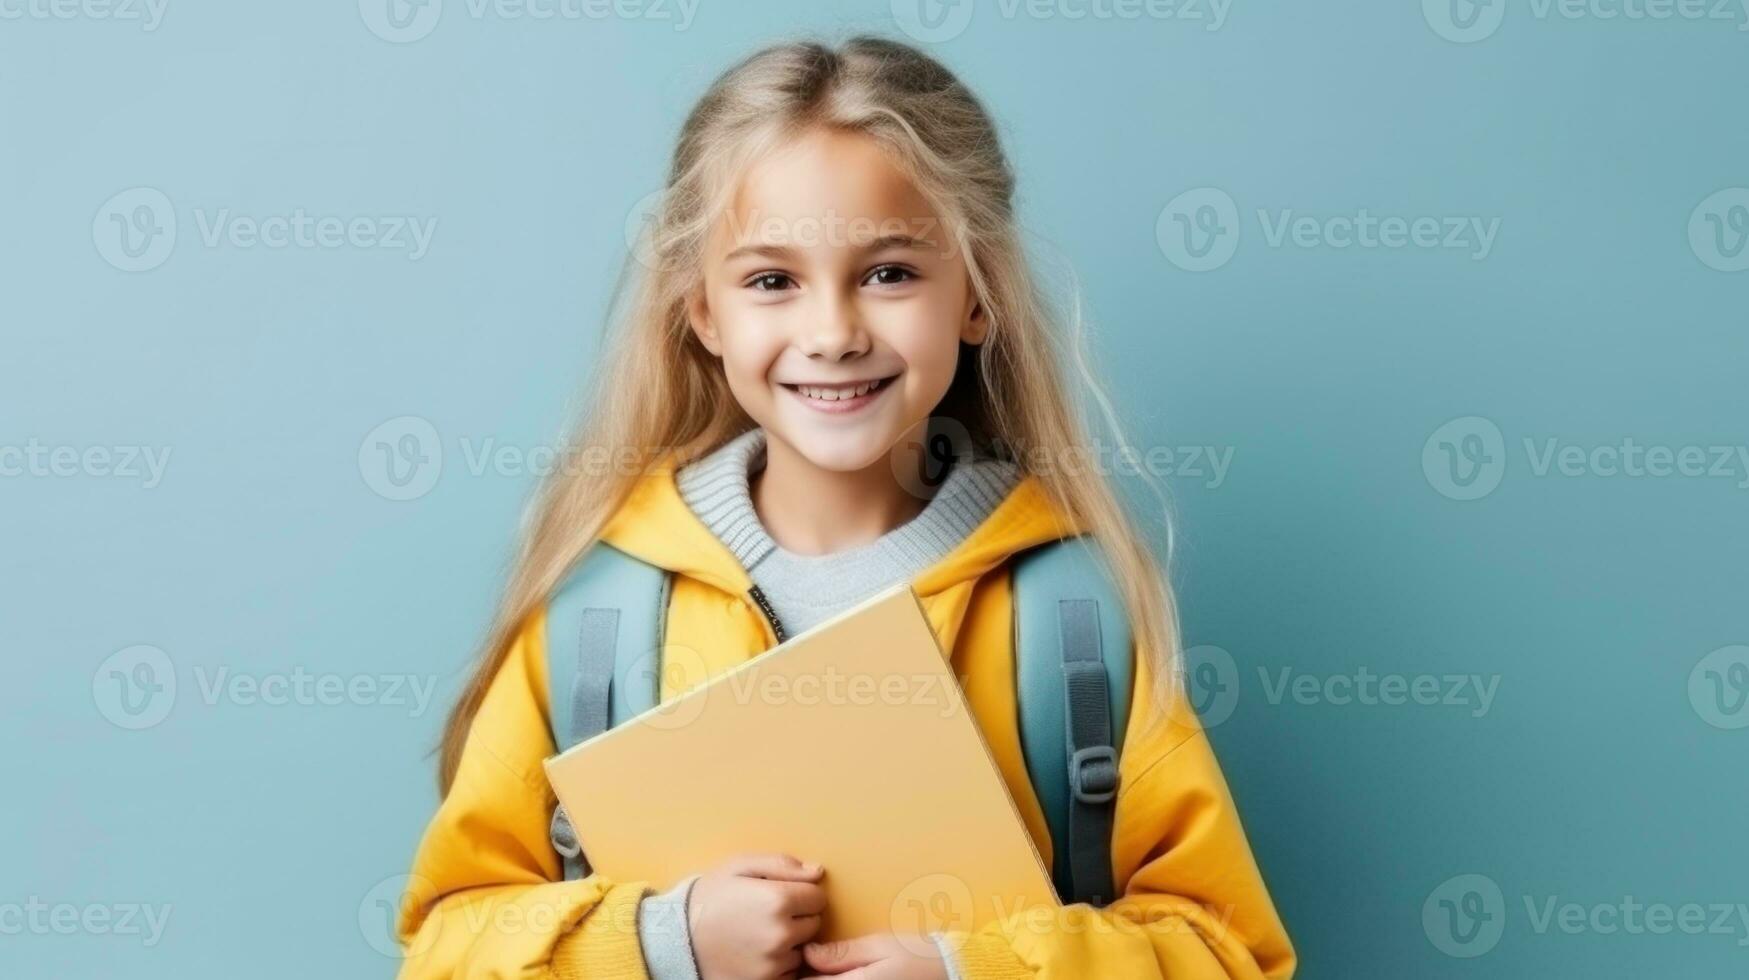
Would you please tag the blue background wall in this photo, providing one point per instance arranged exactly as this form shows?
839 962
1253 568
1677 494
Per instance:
1381 516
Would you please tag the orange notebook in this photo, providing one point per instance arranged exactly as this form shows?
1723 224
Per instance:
850 744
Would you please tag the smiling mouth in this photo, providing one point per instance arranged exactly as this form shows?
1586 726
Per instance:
841 392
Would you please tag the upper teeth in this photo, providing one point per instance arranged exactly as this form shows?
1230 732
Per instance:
836 394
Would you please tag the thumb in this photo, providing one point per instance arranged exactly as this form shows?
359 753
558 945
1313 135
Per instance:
841 954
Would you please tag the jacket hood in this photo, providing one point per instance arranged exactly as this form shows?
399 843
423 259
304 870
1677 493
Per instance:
656 525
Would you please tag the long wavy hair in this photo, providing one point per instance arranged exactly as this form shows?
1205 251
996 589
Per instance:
655 386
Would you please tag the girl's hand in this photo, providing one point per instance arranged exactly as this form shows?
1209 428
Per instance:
878 956
748 915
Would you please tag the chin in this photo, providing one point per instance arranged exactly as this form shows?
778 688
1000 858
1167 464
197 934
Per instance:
842 452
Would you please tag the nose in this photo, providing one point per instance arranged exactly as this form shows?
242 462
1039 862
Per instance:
833 331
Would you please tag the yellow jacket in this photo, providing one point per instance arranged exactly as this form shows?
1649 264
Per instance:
486 897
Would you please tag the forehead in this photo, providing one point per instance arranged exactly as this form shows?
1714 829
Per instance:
826 172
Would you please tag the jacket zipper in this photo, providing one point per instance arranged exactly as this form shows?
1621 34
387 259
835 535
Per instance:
764 605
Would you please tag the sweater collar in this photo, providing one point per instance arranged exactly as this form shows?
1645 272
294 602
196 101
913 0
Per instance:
717 489
656 524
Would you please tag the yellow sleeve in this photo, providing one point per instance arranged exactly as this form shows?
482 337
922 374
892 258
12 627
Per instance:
486 898
1193 903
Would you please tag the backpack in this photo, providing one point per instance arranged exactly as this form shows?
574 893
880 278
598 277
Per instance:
1073 674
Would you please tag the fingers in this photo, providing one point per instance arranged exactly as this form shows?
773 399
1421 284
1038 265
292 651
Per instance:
777 867
785 964
841 955
800 897
801 929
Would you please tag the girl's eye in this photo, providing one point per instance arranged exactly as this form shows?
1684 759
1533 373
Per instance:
886 275
894 275
768 282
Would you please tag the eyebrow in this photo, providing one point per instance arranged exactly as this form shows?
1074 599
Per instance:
878 244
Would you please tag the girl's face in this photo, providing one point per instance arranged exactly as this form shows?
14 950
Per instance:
830 274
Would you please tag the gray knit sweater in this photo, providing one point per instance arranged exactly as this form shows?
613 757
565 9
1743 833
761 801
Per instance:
805 590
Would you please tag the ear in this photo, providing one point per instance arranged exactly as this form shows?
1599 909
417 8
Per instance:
976 325
698 317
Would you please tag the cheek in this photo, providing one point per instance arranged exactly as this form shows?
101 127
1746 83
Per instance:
746 367
926 338
750 350
743 335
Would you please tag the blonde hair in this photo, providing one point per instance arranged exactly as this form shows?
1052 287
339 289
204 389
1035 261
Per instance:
655 387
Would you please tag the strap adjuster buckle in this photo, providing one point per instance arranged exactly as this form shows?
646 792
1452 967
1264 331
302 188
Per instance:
1093 774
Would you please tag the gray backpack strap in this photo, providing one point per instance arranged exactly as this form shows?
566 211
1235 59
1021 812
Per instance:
1073 670
604 633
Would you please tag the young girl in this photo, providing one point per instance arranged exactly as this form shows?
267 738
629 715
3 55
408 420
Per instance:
835 279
